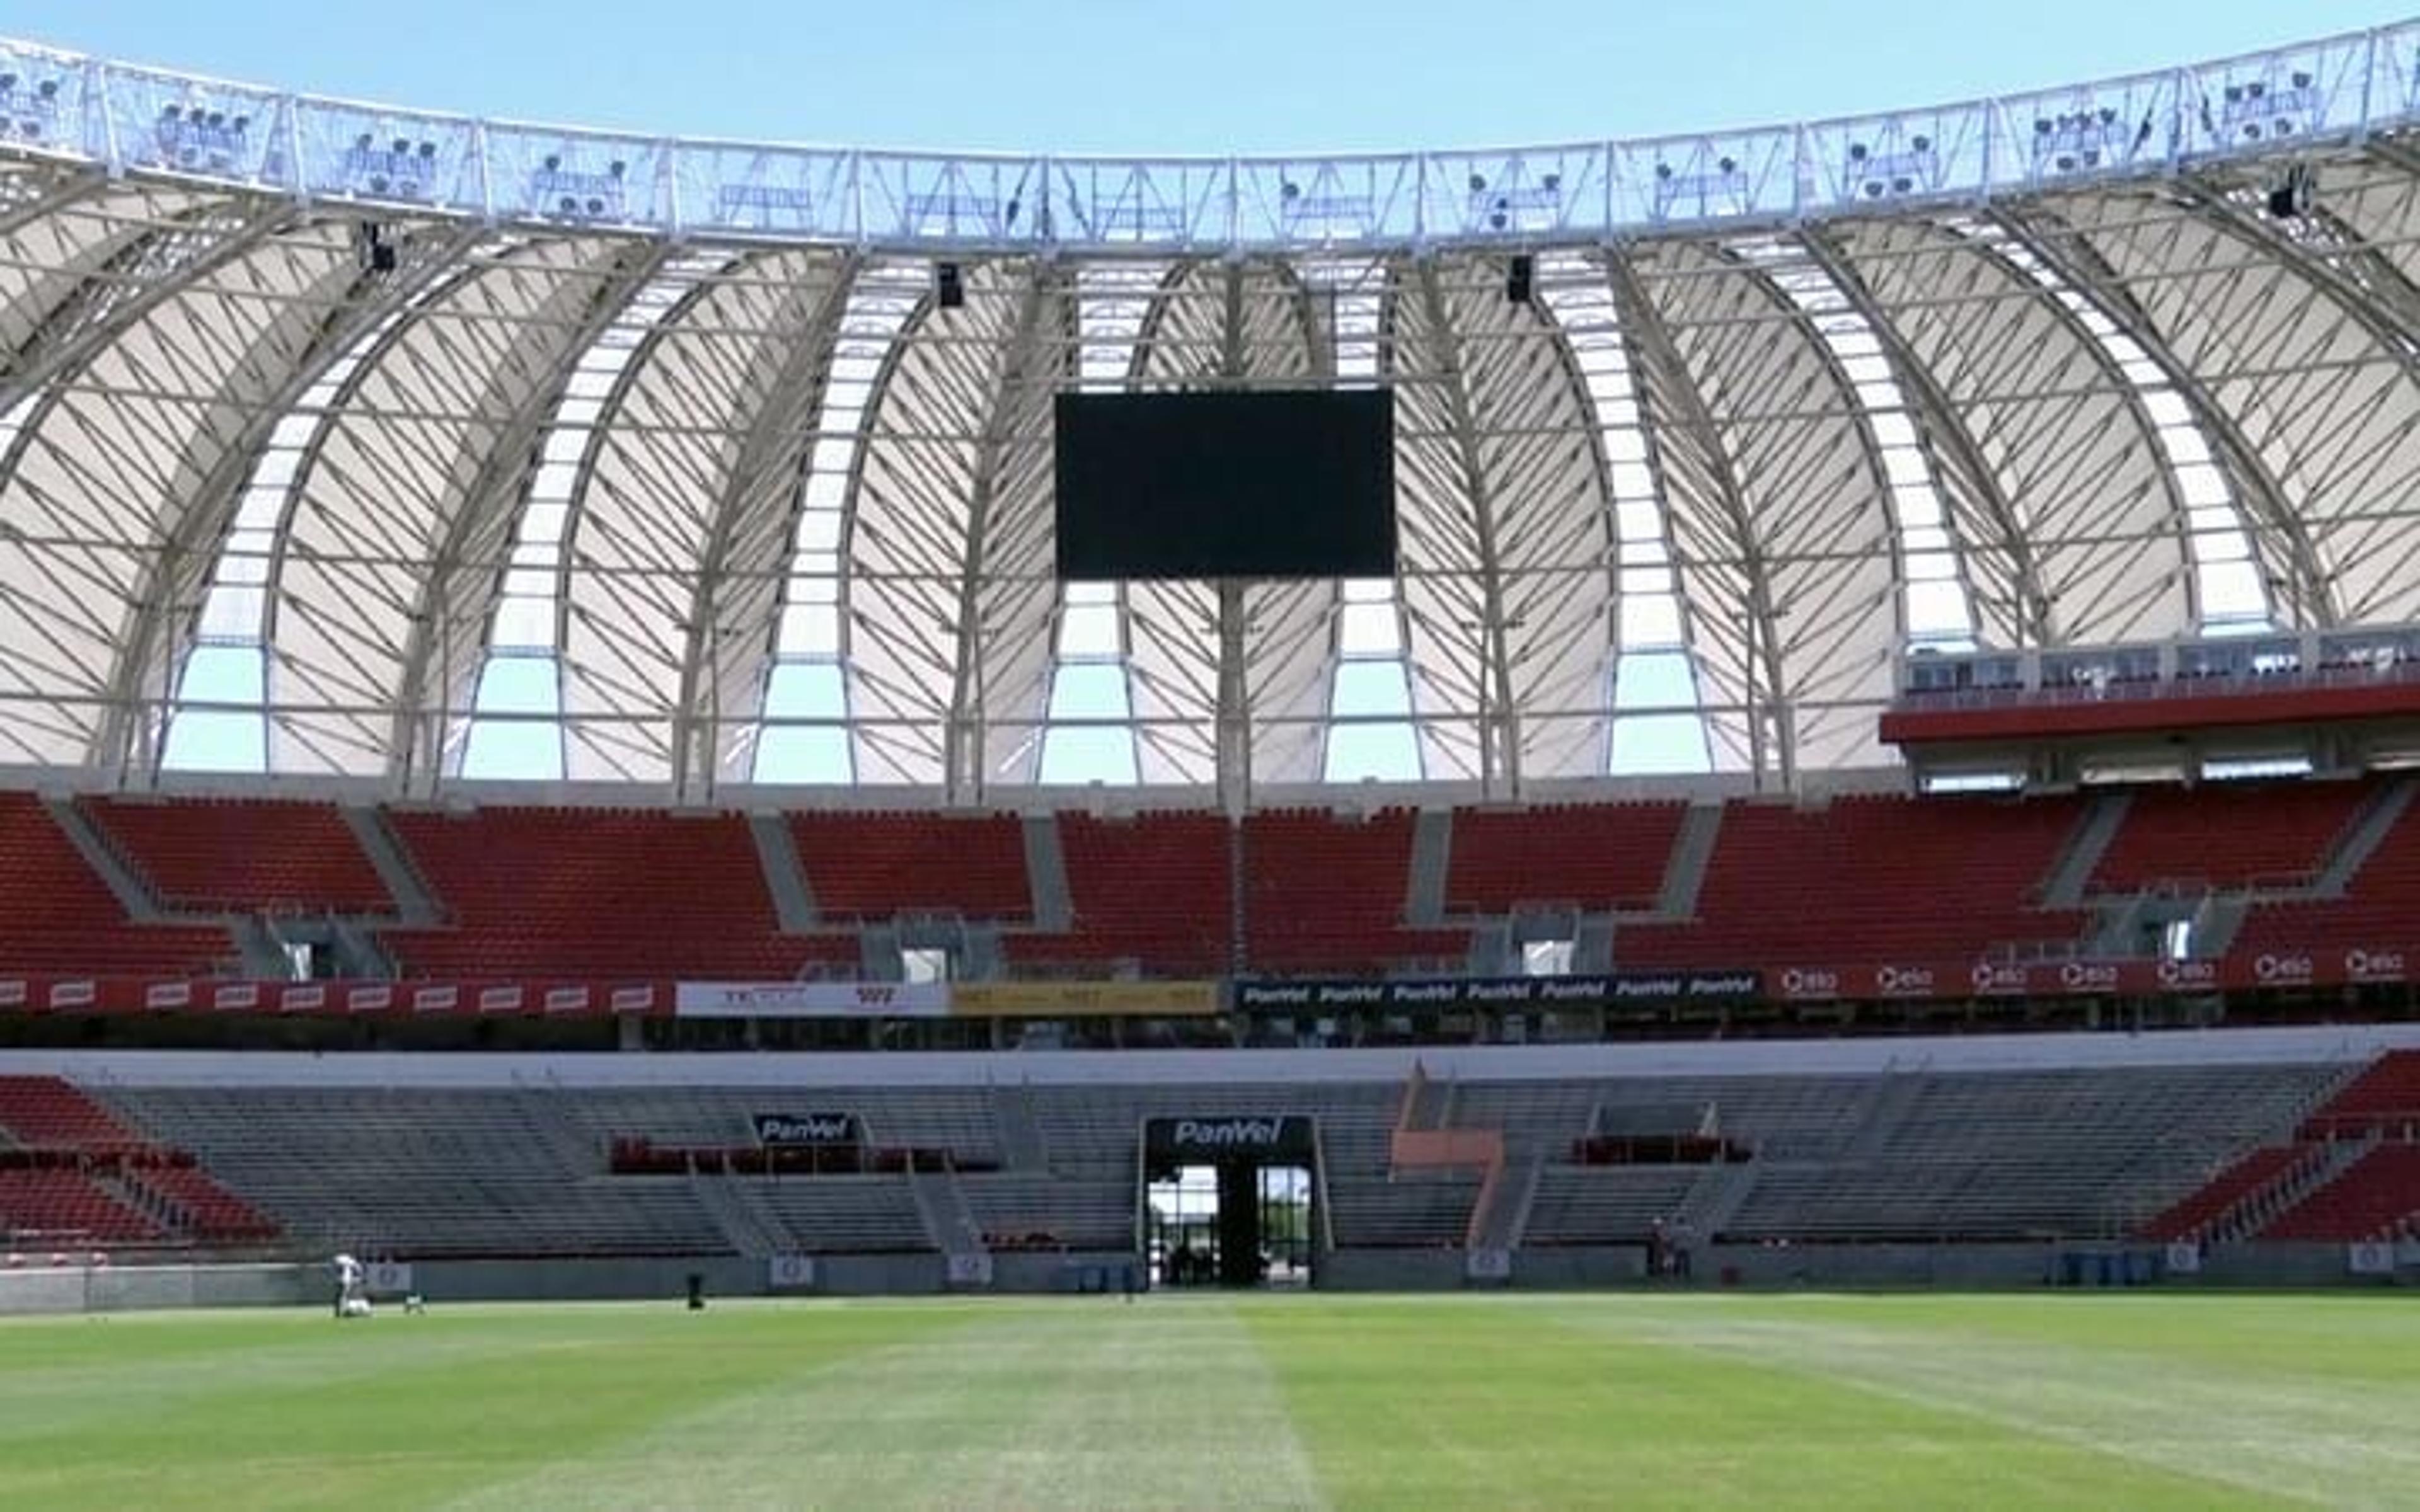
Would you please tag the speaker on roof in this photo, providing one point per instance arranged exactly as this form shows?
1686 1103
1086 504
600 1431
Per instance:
1518 276
2291 196
948 285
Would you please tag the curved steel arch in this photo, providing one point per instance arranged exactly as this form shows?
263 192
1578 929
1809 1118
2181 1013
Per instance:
147 661
2268 510
419 730
791 398
1670 386
1951 450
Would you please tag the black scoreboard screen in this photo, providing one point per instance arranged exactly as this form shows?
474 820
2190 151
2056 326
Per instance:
1296 483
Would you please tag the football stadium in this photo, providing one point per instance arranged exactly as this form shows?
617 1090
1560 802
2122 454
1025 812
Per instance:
1716 821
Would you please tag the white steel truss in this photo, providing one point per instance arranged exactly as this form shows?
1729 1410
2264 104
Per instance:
305 478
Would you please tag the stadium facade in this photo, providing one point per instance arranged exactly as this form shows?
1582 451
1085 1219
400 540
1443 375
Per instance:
366 445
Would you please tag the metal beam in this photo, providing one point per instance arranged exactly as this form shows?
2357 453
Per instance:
1653 350
1232 720
790 402
2268 513
72 355
63 191
146 672
1948 446
965 756
416 741
2213 203
1500 729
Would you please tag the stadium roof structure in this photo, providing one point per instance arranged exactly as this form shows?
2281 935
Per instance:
351 443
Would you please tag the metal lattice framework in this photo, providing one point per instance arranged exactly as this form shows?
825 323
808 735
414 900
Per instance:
350 443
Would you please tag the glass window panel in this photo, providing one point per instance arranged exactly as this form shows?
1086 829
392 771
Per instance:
210 740
1370 630
1372 752
1647 745
810 630
1370 687
1650 622
1089 630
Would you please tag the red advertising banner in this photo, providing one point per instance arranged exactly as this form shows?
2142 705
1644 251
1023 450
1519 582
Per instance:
131 995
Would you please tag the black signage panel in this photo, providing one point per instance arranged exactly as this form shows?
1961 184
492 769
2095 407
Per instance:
776 1130
1611 990
1259 1138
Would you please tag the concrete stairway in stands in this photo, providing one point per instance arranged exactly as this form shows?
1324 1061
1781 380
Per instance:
1431 853
123 882
415 906
1504 1215
949 1221
786 878
2361 836
1895 1094
2072 872
752 1229
1045 876
1022 1146
1716 1196
1685 872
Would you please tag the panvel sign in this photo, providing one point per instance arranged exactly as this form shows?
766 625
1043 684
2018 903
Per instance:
1255 1137
788 1131
1443 993
811 999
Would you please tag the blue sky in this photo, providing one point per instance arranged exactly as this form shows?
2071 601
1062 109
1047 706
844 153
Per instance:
1154 75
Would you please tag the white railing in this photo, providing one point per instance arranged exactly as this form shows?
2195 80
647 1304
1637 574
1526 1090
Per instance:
141 119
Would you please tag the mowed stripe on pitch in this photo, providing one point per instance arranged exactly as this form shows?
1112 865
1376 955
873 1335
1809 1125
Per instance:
1487 1402
1163 1404
2294 1437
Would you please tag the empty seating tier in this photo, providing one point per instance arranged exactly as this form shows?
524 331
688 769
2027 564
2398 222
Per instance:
46 1113
2379 907
587 892
1864 880
2370 1199
1154 888
2231 1186
876 866
2227 835
208 856
58 914
1326 892
65 1206
1597 857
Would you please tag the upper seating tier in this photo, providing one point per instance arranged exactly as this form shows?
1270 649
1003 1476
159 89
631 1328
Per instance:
1599 857
58 914
1864 879
2226 833
243 855
591 893
878 866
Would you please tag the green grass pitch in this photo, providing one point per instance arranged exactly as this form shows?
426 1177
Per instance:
1914 1401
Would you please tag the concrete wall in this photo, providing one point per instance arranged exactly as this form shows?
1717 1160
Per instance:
77 1289
1391 1270
2299 1045
1612 1265
133 1288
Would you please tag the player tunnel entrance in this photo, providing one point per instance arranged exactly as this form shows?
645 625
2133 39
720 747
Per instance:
1231 1200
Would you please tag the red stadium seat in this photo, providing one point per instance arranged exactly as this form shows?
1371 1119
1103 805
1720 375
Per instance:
226 855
